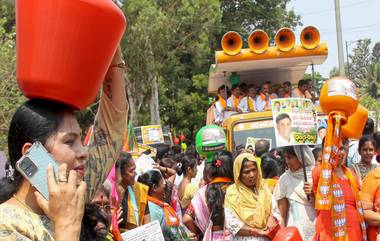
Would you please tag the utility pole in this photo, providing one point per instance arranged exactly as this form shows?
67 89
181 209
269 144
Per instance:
348 63
339 38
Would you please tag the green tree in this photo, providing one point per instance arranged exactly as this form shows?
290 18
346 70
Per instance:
10 96
244 16
371 82
359 59
376 53
318 80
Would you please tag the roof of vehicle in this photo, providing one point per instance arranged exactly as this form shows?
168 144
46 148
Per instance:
273 65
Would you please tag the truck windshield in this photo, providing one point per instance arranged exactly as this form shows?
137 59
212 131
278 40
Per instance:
247 133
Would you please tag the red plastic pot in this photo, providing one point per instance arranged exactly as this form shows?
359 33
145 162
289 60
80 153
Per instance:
64 47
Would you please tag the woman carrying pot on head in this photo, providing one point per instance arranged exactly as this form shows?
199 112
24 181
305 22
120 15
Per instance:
345 191
24 214
294 196
205 214
248 204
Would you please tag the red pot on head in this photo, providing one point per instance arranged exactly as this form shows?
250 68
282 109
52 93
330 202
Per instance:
64 47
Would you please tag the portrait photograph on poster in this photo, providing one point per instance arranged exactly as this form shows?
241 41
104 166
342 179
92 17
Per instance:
294 121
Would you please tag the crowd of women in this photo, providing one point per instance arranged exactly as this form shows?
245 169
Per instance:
248 197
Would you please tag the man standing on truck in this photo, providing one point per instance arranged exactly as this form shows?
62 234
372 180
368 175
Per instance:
301 90
287 86
247 104
221 105
234 100
263 101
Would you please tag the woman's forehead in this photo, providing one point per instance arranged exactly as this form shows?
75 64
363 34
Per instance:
69 124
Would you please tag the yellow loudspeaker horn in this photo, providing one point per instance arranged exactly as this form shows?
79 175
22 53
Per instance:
232 43
258 41
285 39
310 37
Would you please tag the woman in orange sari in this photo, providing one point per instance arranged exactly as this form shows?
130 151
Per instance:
347 184
370 197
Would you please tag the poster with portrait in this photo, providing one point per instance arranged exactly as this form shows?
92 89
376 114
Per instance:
294 121
152 134
251 142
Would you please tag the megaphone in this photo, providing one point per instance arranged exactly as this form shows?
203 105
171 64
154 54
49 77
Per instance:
232 43
285 39
310 37
258 41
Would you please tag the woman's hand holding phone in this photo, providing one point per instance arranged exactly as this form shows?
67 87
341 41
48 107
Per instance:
65 207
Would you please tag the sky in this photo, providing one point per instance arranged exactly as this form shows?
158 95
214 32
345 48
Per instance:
360 19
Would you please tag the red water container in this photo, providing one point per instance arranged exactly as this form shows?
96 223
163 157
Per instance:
288 234
64 47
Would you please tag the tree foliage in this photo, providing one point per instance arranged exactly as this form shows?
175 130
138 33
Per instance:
359 60
168 42
244 16
10 96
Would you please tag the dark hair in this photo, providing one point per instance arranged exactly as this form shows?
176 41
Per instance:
261 146
287 83
92 215
234 87
290 150
369 127
123 161
364 139
216 192
167 162
191 151
151 178
376 137
282 116
302 82
186 162
317 152
269 166
251 86
162 151
176 149
35 120
222 87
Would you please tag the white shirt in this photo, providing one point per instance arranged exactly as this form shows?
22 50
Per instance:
260 103
218 112
243 105
281 141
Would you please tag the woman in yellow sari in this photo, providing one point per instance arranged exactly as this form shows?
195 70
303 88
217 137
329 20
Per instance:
248 203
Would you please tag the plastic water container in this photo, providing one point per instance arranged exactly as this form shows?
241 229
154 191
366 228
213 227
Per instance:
64 47
339 94
356 123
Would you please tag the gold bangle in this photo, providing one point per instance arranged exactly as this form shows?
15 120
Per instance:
118 65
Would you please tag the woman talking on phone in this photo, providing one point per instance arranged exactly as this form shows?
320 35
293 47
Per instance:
24 213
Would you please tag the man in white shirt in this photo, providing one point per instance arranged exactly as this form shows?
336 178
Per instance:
234 100
247 104
221 105
263 100
284 130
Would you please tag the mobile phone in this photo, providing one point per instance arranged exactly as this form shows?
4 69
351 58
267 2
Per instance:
33 166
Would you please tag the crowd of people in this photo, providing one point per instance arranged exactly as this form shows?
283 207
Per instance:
247 197
245 98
